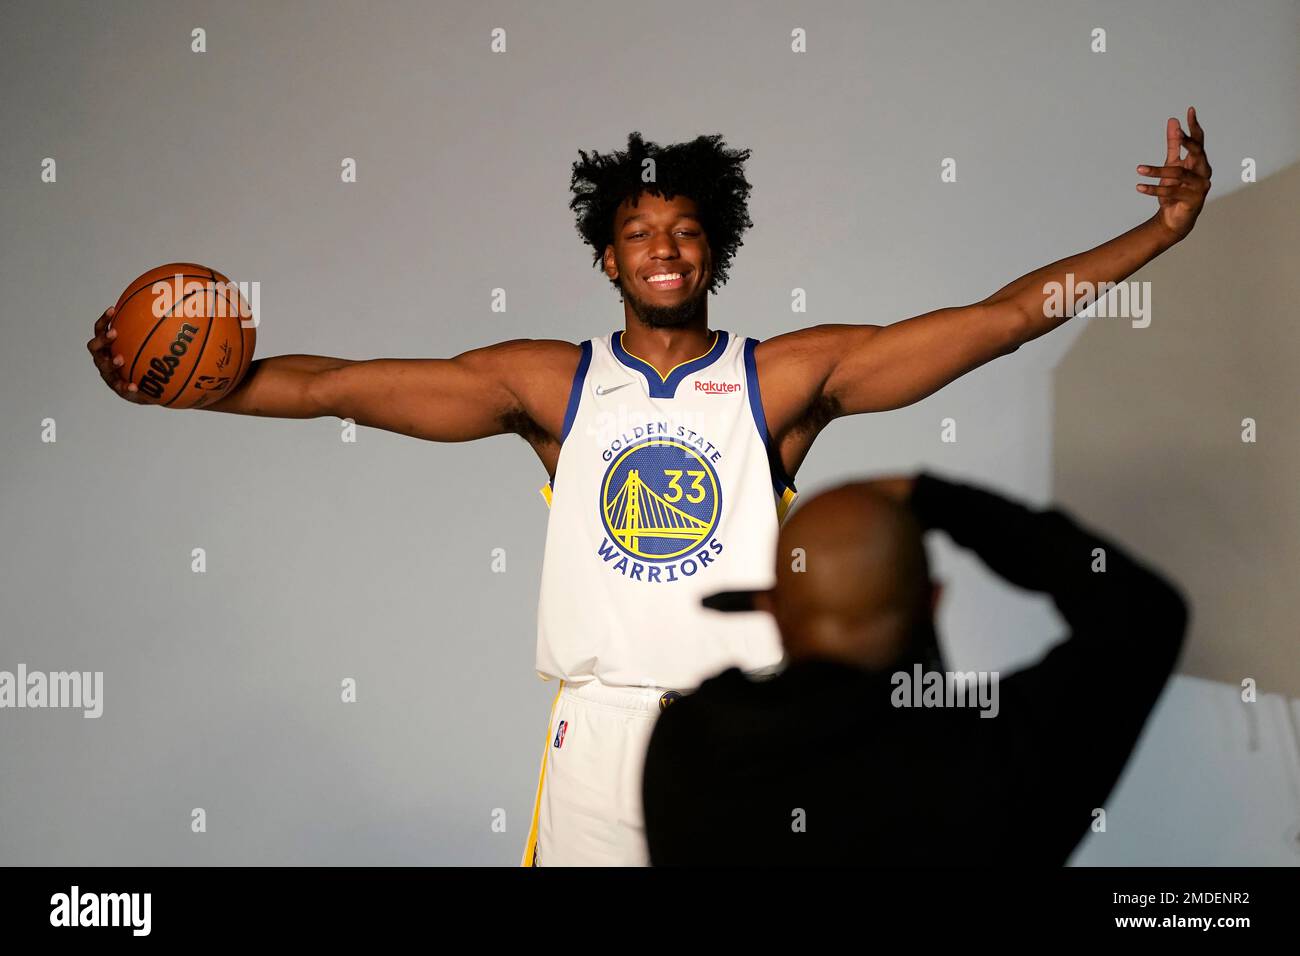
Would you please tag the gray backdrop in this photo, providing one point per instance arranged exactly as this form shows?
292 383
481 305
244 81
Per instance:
373 561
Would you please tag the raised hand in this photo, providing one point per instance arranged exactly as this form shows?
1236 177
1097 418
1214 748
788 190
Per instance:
1184 180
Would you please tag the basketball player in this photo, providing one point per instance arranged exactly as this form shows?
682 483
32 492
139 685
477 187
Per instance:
671 446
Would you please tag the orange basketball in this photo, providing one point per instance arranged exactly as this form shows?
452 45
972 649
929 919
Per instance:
185 334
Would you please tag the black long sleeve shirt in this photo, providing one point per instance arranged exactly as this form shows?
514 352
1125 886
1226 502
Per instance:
818 766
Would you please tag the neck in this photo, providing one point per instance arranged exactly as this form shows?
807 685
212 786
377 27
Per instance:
665 347
685 316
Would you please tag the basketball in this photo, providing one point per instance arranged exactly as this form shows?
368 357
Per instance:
185 334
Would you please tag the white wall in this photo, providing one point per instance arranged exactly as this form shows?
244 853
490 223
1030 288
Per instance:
372 560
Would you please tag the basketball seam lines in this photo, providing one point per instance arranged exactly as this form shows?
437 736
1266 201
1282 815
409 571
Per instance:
158 325
224 294
206 339
184 275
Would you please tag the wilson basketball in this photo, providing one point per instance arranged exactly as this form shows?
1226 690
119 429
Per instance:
185 334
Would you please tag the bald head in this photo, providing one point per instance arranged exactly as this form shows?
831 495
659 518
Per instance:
852 581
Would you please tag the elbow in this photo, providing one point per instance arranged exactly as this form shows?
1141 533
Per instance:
1010 324
1021 326
321 393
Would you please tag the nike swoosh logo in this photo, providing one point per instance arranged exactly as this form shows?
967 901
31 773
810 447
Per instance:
605 390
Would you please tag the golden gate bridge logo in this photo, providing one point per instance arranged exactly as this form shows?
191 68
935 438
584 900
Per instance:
660 499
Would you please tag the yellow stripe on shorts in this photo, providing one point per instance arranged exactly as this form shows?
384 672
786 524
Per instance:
531 846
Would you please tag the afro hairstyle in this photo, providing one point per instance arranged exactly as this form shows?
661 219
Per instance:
703 170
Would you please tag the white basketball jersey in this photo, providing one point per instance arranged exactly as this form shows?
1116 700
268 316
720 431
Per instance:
666 489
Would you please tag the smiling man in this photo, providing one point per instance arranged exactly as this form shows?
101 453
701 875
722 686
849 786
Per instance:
670 446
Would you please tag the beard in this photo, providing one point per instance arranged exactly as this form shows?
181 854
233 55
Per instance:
666 316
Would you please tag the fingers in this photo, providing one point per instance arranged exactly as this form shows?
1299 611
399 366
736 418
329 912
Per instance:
1193 141
1187 189
1172 175
1165 172
1173 140
110 372
1197 134
129 393
1161 191
1174 181
103 334
123 388
108 364
1196 157
1193 147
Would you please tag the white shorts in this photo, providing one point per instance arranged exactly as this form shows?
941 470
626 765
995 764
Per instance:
588 808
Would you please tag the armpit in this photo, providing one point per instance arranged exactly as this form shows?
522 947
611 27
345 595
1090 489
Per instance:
820 413
519 422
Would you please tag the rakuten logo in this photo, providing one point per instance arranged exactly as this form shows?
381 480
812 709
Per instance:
717 388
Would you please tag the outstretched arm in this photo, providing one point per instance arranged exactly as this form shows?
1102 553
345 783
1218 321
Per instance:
505 388
453 399
511 387
866 368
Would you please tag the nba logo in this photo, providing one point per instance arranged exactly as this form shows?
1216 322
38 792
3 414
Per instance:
559 733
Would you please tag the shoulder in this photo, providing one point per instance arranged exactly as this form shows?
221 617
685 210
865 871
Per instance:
525 355
542 351
793 370
538 373
813 345
536 364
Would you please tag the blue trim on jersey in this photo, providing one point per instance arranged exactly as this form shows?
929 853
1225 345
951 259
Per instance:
575 390
659 386
780 480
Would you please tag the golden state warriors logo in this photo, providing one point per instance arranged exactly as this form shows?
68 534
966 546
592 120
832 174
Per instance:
660 503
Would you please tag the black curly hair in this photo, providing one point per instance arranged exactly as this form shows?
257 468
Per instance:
703 170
